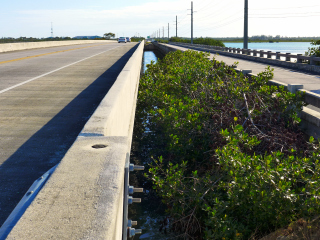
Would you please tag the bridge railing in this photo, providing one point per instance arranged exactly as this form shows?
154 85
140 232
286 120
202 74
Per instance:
299 61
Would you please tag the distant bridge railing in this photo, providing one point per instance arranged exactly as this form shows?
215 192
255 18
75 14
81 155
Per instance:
296 61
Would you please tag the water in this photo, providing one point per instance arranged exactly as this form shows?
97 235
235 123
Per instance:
283 47
148 56
149 213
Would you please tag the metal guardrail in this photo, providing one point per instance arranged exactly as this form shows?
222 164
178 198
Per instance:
24 204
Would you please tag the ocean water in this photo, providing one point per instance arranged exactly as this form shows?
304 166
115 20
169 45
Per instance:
283 47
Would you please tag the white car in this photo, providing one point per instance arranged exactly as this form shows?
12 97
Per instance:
122 39
128 39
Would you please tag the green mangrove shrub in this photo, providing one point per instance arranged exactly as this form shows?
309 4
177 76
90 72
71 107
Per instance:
228 158
204 41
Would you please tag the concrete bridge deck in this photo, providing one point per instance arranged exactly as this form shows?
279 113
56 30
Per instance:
46 97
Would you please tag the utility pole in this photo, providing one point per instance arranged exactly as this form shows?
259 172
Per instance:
245 35
162 32
176 26
191 22
168 32
51 30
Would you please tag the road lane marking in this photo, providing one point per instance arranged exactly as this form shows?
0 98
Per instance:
32 79
44 54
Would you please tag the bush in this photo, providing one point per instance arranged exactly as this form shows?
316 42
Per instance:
229 158
204 41
314 51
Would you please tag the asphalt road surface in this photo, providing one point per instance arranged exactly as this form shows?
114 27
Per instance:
46 97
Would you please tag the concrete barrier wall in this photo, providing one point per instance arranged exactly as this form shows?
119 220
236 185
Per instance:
8 47
84 197
237 53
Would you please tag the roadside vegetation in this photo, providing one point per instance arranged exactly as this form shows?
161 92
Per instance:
204 41
226 155
314 51
137 39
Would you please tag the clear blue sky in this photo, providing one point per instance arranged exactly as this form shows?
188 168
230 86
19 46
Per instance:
213 18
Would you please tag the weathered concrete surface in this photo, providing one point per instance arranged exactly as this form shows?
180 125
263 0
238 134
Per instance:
83 199
41 119
8 47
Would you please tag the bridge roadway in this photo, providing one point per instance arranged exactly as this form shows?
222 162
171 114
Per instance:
46 97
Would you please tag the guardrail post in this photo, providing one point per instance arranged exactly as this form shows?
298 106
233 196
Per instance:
277 55
254 52
294 87
312 61
269 54
288 59
261 53
299 60
238 50
249 52
245 72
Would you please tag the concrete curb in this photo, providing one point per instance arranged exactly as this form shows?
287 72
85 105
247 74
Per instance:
8 47
83 199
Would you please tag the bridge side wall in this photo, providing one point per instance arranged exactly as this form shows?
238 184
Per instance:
8 47
83 199
277 62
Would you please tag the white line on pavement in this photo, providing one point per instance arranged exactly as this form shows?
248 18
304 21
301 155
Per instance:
30 80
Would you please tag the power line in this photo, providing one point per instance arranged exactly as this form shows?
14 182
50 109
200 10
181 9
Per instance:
290 16
285 7
222 25
272 14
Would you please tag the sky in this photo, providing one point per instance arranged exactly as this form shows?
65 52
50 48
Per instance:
212 18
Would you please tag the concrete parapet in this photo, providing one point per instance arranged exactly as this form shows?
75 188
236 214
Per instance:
294 87
8 47
310 123
231 52
84 198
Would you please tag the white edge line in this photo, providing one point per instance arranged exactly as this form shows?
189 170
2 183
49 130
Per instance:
32 79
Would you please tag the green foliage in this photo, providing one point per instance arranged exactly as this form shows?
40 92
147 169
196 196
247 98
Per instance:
229 158
314 51
137 39
109 35
204 41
